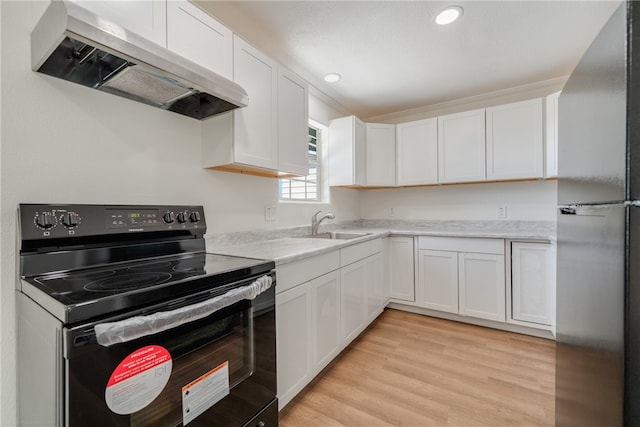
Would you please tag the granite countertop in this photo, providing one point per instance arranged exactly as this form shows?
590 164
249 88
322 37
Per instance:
287 245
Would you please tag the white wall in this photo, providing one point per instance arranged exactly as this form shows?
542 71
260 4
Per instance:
63 143
1 240
533 201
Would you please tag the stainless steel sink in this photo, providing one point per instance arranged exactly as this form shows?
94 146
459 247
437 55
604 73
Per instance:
334 235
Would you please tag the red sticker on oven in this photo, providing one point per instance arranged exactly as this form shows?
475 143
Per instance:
138 379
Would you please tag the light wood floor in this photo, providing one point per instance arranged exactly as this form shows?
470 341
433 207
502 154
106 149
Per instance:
413 370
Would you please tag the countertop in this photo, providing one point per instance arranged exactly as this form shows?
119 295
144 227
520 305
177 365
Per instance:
274 245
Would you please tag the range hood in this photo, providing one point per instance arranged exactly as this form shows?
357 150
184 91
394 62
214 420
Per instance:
74 44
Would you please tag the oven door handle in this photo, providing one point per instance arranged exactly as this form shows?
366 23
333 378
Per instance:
108 334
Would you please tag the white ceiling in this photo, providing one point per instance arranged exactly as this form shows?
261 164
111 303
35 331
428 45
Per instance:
393 57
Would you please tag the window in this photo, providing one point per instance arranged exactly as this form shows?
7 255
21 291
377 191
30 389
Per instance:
307 188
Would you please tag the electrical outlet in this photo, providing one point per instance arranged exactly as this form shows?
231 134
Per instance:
392 212
501 212
269 213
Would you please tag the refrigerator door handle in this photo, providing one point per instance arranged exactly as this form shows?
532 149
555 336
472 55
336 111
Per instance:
567 210
587 210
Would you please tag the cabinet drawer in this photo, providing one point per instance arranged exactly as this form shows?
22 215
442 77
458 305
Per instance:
462 244
298 272
353 253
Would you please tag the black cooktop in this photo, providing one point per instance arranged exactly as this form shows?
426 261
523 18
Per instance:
89 262
104 289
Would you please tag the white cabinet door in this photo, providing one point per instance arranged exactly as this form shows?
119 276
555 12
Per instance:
514 140
481 285
147 18
551 136
352 301
347 152
294 341
461 147
360 153
386 271
373 287
417 152
531 282
197 36
438 280
326 319
293 123
401 268
381 154
255 136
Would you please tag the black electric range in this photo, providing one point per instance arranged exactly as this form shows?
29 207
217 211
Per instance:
88 261
124 319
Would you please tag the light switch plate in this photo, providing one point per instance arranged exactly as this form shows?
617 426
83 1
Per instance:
270 213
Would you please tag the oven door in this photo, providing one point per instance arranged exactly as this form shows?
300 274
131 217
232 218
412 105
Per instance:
219 370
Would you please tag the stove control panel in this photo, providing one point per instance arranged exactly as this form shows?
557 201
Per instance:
38 221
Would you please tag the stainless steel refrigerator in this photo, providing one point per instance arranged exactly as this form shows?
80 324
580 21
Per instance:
598 282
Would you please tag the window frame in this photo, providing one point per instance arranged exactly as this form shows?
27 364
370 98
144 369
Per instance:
322 189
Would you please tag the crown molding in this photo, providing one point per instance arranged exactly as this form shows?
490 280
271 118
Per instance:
488 99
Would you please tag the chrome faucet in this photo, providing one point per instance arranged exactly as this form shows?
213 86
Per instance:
315 222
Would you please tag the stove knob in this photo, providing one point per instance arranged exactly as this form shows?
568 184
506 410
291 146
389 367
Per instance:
182 217
45 220
169 217
194 216
70 219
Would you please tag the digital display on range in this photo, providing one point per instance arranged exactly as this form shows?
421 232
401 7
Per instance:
133 219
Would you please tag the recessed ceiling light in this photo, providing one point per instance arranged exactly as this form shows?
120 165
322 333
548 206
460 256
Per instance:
332 77
449 15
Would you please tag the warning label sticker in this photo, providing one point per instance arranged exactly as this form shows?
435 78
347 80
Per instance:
138 379
204 392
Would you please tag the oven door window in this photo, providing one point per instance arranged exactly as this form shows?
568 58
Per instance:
198 352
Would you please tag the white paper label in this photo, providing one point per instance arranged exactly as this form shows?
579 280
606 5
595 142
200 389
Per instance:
138 379
204 392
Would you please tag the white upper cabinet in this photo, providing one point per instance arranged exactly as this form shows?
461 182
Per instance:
269 136
417 152
197 36
147 18
255 126
347 152
293 123
514 140
381 154
551 136
461 147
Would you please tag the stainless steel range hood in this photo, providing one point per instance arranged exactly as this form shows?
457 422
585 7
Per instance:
74 44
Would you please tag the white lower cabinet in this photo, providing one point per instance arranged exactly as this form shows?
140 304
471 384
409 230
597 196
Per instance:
361 287
481 290
453 279
325 319
532 283
307 332
352 298
294 341
373 278
322 304
438 280
401 270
